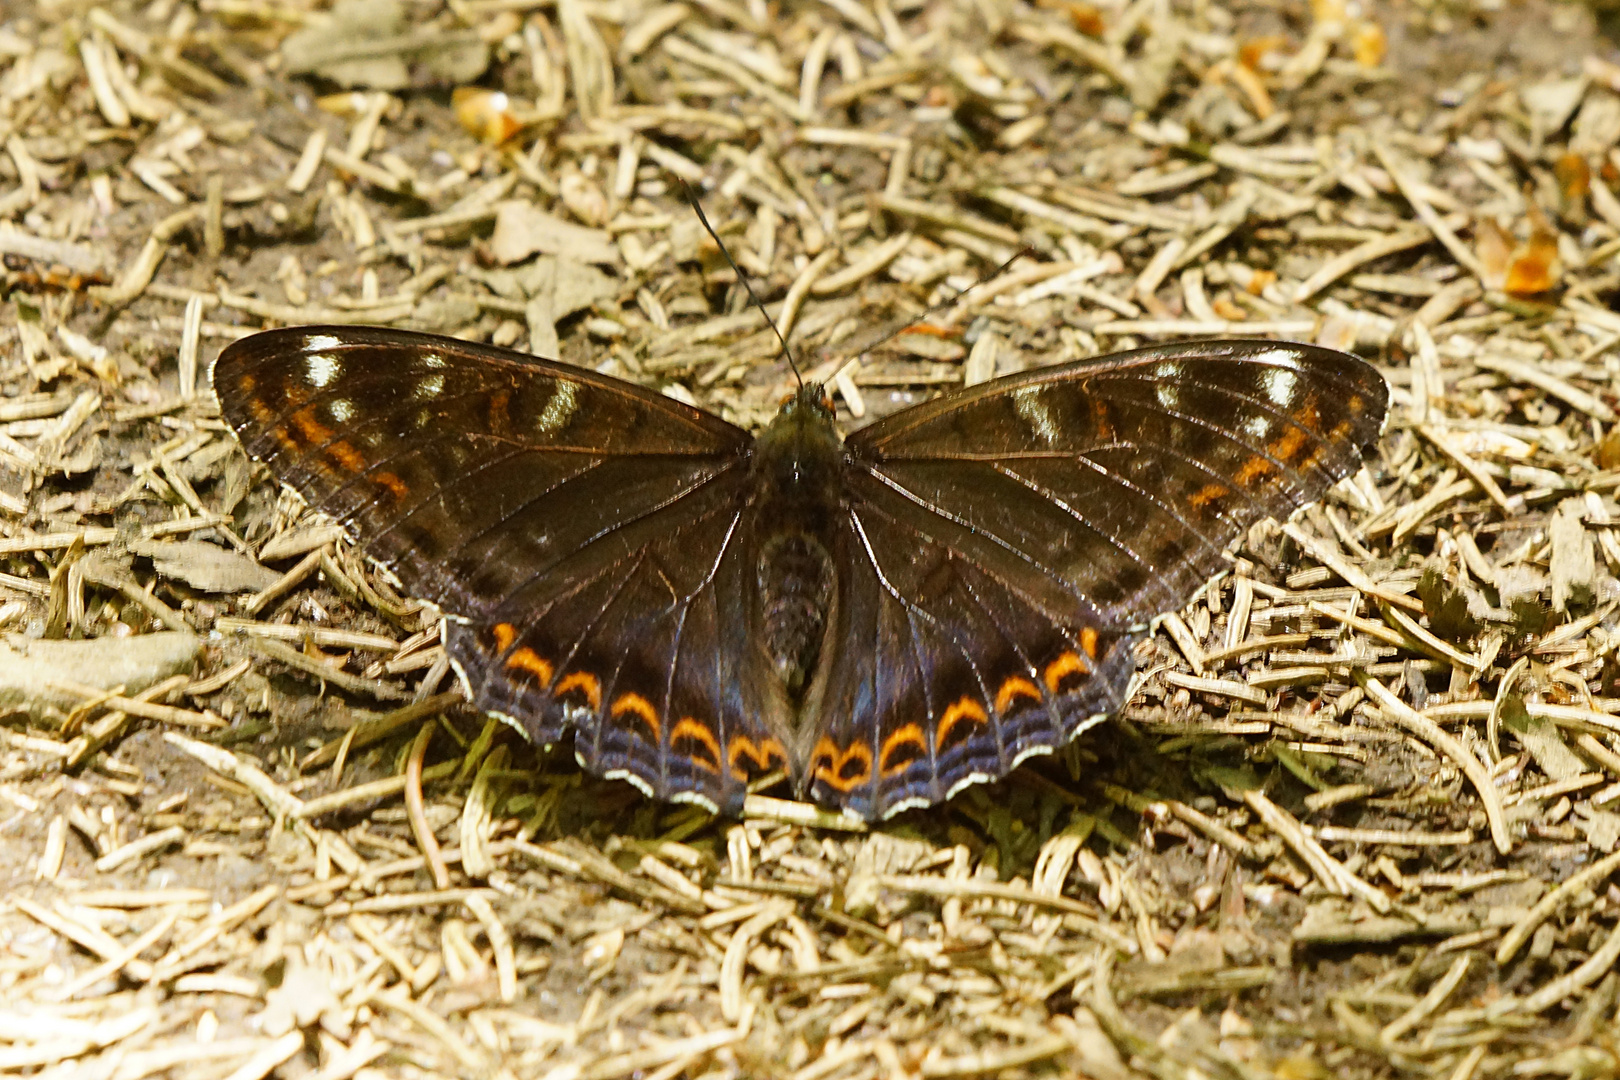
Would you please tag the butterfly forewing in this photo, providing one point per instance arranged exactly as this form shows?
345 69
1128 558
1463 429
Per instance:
1129 475
440 453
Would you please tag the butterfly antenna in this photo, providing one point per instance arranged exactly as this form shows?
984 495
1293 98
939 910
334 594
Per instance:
691 197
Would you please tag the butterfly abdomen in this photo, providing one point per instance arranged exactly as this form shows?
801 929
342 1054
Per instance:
796 473
795 586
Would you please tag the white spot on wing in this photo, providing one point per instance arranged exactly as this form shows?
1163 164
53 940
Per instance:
1096 718
340 409
318 342
430 387
966 782
1167 369
1168 394
322 369
510 721
696 798
560 409
467 688
1027 401
433 361
1029 752
623 774
1283 357
1256 427
1279 384
912 803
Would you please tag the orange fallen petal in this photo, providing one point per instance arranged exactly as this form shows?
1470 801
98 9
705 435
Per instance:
348 105
486 114
1252 54
1247 80
929 330
1537 270
1368 44
1574 176
1087 18
1328 10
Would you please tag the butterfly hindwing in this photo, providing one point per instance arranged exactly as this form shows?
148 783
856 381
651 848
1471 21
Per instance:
950 669
637 646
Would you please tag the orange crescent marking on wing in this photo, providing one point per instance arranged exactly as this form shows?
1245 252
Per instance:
909 734
1207 494
1013 688
635 703
1088 641
581 680
396 487
774 751
1069 663
310 428
826 750
505 633
1252 470
761 755
832 772
1288 444
526 659
1309 414
499 420
690 728
738 746
962 709
347 456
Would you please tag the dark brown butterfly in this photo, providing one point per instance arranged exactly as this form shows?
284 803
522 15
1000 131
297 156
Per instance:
888 617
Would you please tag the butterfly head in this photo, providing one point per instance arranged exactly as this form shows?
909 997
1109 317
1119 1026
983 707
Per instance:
807 413
810 400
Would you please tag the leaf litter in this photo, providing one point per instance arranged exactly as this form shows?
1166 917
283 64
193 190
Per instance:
1359 817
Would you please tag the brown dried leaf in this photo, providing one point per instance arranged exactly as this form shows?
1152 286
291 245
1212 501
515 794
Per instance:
373 44
522 229
206 567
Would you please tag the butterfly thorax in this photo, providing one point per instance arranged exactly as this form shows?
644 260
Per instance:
796 472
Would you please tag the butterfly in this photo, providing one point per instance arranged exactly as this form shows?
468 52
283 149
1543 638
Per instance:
885 617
